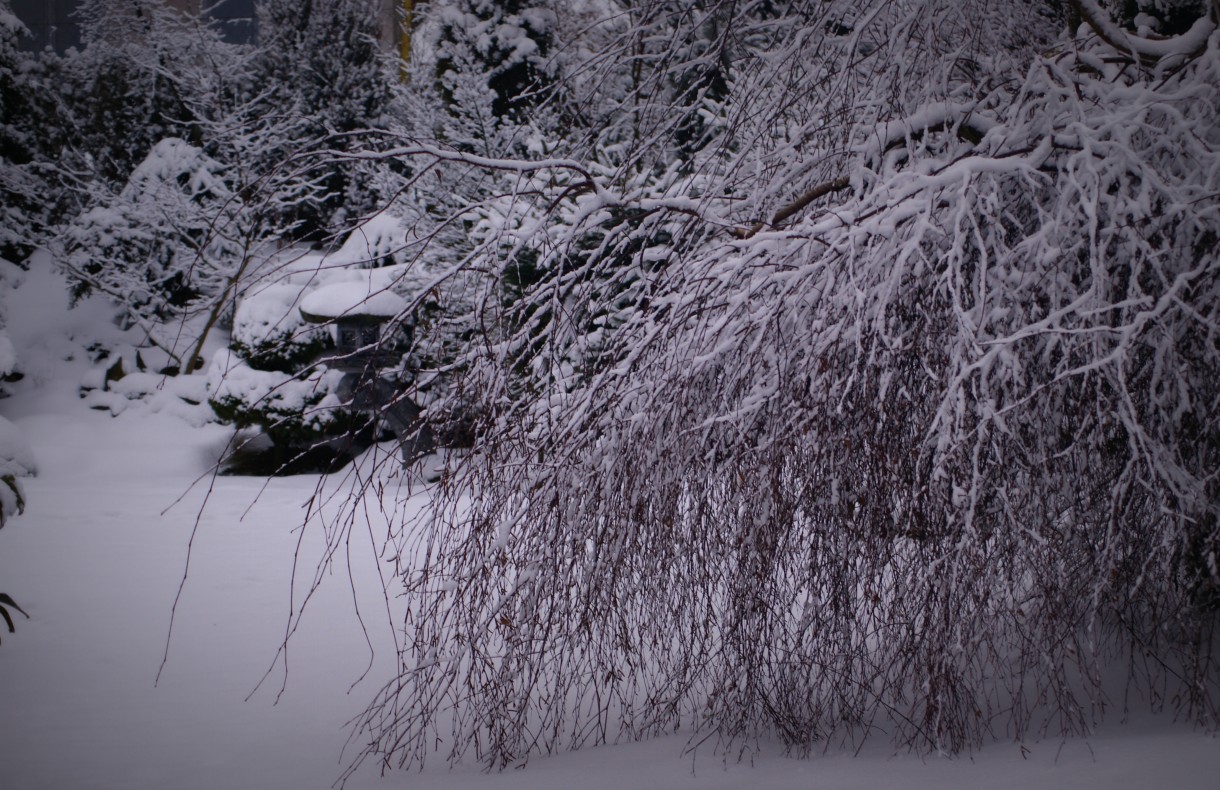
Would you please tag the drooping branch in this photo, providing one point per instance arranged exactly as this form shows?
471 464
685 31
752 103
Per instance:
588 181
936 117
789 210
779 454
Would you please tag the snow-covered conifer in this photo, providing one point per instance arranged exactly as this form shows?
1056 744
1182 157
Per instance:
491 63
318 70
26 135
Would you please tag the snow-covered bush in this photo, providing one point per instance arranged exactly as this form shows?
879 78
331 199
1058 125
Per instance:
915 431
191 156
125 89
15 187
268 379
298 411
16 461
16 456
269 332
155 171
8 354
154 245
28 135
492 63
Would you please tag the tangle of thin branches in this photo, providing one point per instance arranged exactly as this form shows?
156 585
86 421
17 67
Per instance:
889 407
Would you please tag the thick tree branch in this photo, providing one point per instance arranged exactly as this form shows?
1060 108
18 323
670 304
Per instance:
821 190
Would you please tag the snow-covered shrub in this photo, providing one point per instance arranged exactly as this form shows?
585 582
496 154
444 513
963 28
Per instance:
502 60
152 245
28 137
379 241
298 411
491 60
125 89
268 379
15 187
191 156
274 375
16 457
168 246
16 461
158 165
270 334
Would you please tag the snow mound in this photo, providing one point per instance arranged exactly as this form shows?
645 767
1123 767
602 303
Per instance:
184 397
268 314
373 243
16 456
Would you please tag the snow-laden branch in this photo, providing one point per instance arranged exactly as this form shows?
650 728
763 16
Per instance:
796 206
1150 52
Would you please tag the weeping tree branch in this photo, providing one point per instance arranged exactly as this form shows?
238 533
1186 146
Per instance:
791 209
925 473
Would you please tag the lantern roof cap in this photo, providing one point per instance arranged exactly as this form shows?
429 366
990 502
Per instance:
352 301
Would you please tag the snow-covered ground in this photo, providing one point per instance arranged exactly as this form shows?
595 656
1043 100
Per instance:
97 560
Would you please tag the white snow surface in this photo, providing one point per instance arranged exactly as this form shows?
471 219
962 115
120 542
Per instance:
8 357
16 455
353 298
267 312
102 548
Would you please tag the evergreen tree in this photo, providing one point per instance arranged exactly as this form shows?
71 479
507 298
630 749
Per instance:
28 124
492 58
320 71
120 90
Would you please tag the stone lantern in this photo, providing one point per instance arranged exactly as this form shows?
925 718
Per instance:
366 351
364 324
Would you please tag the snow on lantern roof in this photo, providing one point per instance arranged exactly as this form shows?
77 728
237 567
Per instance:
351 301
